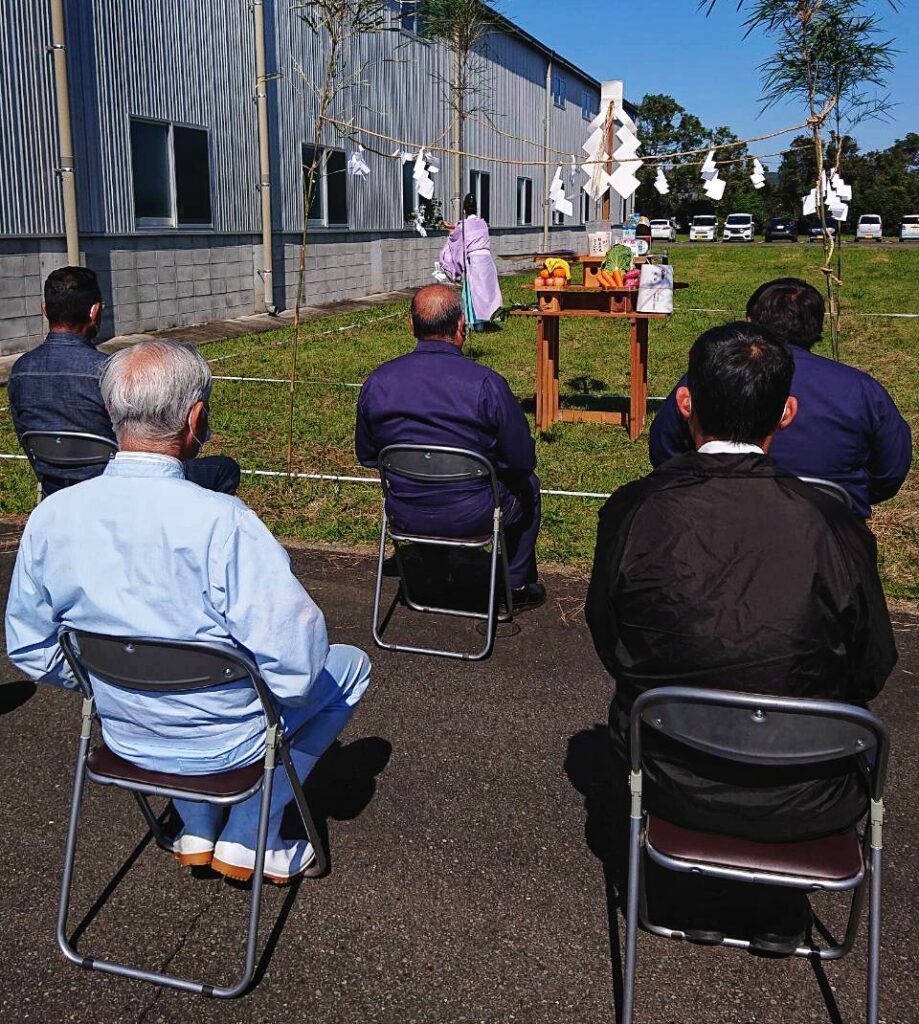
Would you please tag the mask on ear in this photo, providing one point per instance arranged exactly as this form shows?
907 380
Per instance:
207 434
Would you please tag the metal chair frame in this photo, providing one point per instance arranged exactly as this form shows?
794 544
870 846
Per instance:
80 450
443 464
829 487
205 665
844 730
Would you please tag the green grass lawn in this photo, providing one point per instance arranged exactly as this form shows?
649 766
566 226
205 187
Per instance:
250 420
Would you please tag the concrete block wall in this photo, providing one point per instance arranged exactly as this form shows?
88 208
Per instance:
347 266
154 282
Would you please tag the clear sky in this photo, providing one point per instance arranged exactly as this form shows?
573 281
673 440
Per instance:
669 46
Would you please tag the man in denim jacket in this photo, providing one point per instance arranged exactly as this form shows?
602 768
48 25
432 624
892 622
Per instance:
56 386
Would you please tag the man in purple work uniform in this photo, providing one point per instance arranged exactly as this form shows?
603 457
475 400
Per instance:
847 430
434 396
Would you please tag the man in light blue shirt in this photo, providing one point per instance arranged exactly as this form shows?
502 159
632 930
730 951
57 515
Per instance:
140 551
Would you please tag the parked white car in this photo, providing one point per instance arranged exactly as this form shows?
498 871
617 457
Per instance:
738 228
703 228
869 227
664 230
909 228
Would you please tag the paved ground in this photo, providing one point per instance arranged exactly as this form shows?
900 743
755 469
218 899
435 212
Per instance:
463 808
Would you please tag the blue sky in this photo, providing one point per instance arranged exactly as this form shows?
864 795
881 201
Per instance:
668 46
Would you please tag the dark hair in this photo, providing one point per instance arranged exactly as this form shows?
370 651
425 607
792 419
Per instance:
436 312
469 204
791 308
739 378
70 293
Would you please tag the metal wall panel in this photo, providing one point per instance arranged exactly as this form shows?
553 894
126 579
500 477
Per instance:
192 62
30 191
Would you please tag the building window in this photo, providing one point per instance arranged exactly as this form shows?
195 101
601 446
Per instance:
588 207
410 17
524 200
415 206
558 218
588 105
480 187
559 89
170 167
329 204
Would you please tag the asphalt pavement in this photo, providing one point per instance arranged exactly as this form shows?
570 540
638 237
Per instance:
468 810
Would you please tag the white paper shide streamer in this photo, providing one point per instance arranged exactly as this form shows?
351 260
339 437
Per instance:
357 165
660 182
833 193
758 177
557 195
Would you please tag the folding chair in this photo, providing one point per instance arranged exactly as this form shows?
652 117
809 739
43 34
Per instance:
829 487
761 731
66 449
438 465
164 666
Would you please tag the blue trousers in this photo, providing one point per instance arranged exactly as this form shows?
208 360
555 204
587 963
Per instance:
333 698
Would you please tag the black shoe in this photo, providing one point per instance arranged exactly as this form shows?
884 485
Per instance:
530 595
784 923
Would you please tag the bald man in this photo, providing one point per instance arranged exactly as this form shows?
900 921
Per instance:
434 396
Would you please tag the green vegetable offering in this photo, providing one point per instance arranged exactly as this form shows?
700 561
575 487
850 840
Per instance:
618 257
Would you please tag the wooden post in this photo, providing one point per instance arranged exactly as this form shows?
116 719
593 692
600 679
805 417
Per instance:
638 400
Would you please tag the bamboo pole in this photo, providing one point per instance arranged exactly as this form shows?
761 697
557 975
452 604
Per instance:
264 155
64 133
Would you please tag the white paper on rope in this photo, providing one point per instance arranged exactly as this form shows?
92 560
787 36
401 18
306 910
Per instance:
660 182
714 188
709 167
357 166
624 181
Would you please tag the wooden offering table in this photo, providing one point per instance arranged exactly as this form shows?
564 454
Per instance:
555 303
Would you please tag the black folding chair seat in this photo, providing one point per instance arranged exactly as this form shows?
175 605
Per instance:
105 766
763 731
833 859
163 666
441 466
430 538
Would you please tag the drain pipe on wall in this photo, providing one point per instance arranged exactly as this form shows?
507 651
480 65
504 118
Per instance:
264 156
58 50
547 124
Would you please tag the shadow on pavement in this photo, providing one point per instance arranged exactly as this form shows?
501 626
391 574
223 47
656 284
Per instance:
14 695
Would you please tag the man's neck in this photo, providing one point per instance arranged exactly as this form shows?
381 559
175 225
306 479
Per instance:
174 451
67 329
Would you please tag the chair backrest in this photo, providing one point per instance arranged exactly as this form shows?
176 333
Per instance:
829 487
436 464
66 449
756 729
158 666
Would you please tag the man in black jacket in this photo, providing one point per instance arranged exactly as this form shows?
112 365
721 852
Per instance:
722 570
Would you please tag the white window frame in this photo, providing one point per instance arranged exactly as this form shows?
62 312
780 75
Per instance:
588 111
522 206
322 185
477 191
172 221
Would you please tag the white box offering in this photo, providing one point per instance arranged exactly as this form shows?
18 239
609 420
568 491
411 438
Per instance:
655 289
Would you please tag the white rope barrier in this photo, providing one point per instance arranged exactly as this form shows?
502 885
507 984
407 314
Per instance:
370 480
286 380
321 334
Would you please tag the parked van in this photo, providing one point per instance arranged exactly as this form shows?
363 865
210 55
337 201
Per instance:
869 227
703 228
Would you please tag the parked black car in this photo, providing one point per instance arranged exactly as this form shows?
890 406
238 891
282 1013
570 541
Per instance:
781 227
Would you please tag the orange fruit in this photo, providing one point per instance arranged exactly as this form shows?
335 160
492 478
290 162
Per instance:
544 272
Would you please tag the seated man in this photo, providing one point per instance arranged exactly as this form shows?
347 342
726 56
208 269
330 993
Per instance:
141 551
721 570
848 430
56 386
435 396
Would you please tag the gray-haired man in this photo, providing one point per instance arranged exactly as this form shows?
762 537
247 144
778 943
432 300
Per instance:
140 551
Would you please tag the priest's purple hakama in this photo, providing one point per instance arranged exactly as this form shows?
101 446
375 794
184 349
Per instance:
482 294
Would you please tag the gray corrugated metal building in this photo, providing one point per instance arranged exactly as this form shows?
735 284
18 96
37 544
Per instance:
167 170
